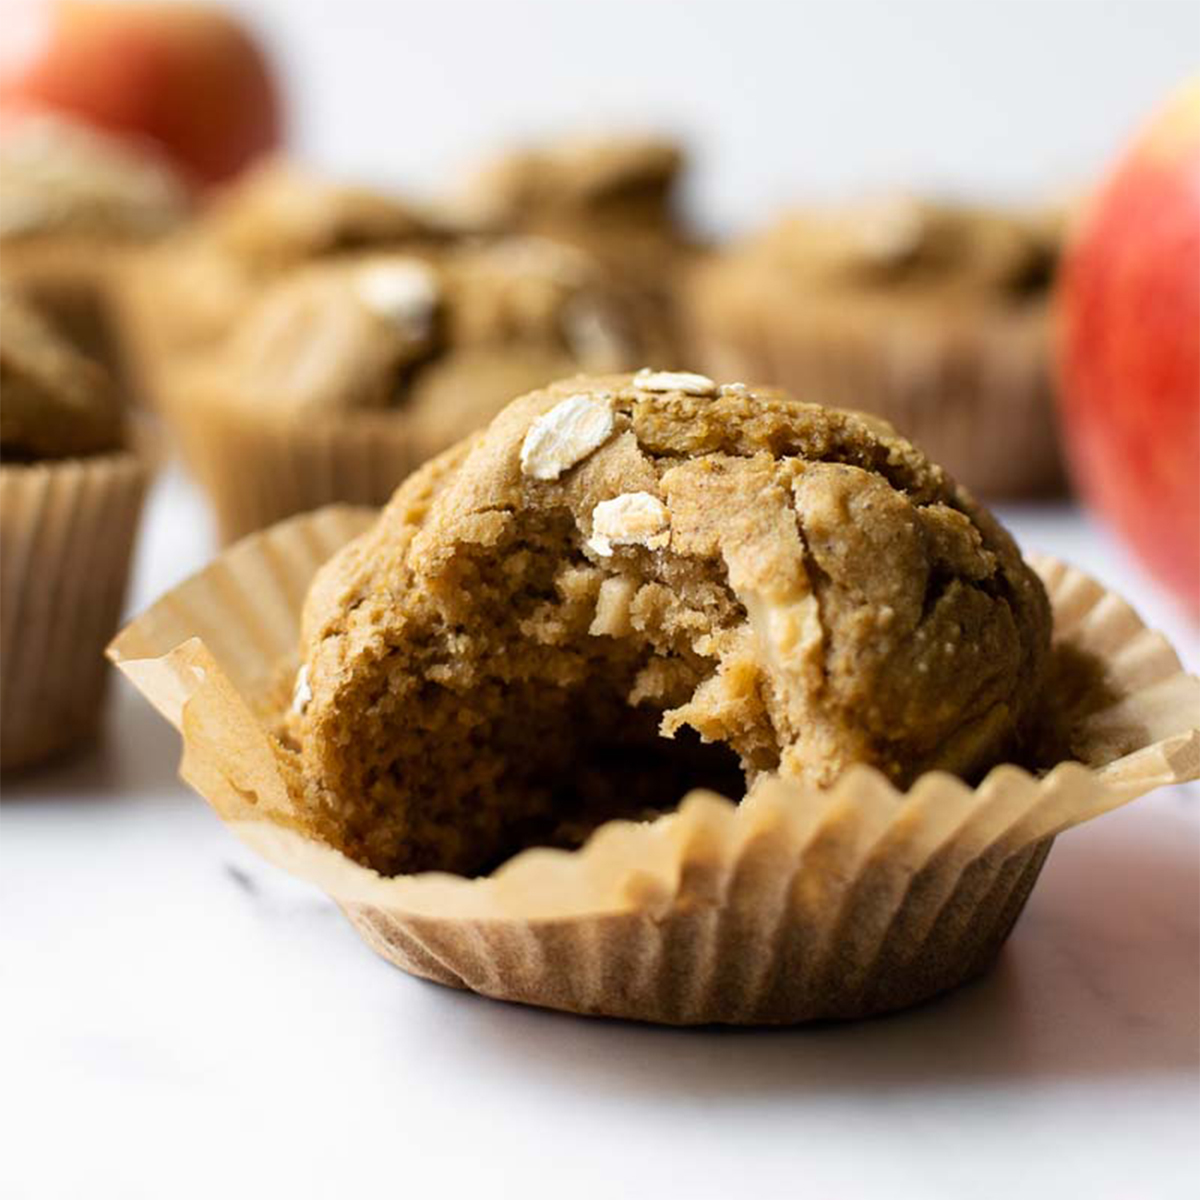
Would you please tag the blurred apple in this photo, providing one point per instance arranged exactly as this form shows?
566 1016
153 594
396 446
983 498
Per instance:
186 77
1129 349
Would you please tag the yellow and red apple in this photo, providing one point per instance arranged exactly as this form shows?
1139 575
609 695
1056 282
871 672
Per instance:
1129 347
186 78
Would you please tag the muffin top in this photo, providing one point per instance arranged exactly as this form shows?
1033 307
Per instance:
274 219
904 245
631 585
56 176
335 335
604 183
279 215
429 331
57 403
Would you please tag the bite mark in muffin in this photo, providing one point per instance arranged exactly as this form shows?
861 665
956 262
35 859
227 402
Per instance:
485 677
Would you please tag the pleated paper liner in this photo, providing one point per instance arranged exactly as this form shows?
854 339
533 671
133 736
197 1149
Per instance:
259 467
66 540
972 389
795 904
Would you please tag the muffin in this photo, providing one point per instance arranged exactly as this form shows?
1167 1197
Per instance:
73 204
628 587
581 185
70 495
933 316
776 588
615 197
345 375
181 298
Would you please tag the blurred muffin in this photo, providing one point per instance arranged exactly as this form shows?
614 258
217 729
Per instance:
774 588
182 297
583 186
615 197
933 316
70 496
73 203
343 376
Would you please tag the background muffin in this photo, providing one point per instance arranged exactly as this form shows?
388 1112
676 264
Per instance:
588 187
70 495
935 317
616 197
73 203
344 376
181 299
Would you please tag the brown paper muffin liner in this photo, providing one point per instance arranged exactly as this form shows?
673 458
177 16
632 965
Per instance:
972 387
795 904
66 539
260 467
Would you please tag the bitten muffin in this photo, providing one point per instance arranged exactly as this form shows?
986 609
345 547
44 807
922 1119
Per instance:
346 375
933 316
183 297
73 204
70 495
632 585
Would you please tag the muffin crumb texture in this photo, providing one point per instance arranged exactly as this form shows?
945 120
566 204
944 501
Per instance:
694 586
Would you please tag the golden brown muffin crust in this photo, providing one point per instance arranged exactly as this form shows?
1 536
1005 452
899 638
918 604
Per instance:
621 560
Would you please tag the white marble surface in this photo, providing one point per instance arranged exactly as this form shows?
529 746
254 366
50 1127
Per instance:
181 1020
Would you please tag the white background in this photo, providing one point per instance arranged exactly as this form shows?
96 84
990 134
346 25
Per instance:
777 99
181 1020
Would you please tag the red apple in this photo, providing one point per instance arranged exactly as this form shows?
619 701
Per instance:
186 77
1129 348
